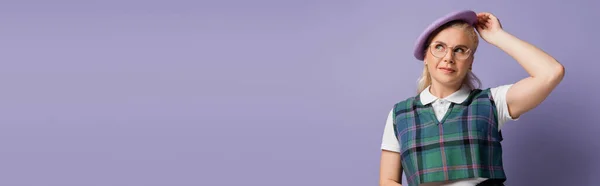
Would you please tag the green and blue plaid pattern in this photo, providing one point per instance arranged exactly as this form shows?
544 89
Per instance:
464 144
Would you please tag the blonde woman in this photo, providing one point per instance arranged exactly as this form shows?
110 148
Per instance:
449 133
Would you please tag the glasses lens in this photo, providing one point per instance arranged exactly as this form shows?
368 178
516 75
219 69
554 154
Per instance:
440 50
461 52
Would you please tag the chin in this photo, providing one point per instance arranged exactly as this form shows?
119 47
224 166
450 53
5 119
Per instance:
444 79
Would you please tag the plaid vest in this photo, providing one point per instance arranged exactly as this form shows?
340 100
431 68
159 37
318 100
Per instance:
464 144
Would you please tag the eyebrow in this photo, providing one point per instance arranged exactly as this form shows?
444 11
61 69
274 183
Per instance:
454 46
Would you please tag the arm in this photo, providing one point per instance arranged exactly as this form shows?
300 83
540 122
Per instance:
545 73
390 169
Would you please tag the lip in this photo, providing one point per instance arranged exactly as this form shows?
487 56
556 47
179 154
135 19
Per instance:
447 70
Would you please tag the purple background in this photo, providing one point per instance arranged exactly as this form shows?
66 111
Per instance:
261 92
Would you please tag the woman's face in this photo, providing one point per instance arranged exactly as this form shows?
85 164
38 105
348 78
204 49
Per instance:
449 56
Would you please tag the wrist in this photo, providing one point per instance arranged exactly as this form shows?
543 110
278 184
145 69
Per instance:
499 38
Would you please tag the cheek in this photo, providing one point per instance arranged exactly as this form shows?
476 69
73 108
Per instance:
431 62
464 67
432 69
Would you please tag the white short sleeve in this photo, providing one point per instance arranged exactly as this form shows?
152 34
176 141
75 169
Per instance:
499 96
389 141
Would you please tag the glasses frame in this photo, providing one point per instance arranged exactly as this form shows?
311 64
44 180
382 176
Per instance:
468 52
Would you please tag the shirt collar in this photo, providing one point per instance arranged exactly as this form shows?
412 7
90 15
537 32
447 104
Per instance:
457 97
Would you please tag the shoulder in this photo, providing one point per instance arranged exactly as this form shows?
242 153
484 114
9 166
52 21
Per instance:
405 104
478 95
498 96
407 100
499 92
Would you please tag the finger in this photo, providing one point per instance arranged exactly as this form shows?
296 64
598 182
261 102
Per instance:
484 19
492 16
482 14
481 26
484 23
478 28
480 17
479 20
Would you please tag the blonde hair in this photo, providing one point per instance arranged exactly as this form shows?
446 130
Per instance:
471 79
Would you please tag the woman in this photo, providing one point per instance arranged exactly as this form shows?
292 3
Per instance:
450 133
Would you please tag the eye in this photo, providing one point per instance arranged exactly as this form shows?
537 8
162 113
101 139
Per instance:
440 47
460 50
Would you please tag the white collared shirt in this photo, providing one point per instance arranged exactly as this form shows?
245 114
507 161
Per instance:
440 106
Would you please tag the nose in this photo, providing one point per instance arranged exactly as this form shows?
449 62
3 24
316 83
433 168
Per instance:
449 57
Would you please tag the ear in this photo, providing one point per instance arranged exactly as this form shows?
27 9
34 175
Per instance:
472 61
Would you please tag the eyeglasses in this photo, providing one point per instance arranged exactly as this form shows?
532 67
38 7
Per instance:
440 50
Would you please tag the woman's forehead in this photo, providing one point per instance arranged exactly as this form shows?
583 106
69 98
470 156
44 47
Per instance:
453 36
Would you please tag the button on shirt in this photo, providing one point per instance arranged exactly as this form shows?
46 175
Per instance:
440 107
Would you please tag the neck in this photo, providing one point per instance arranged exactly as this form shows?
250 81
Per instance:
442 91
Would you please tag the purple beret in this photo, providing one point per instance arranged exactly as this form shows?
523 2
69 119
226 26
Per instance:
464 15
